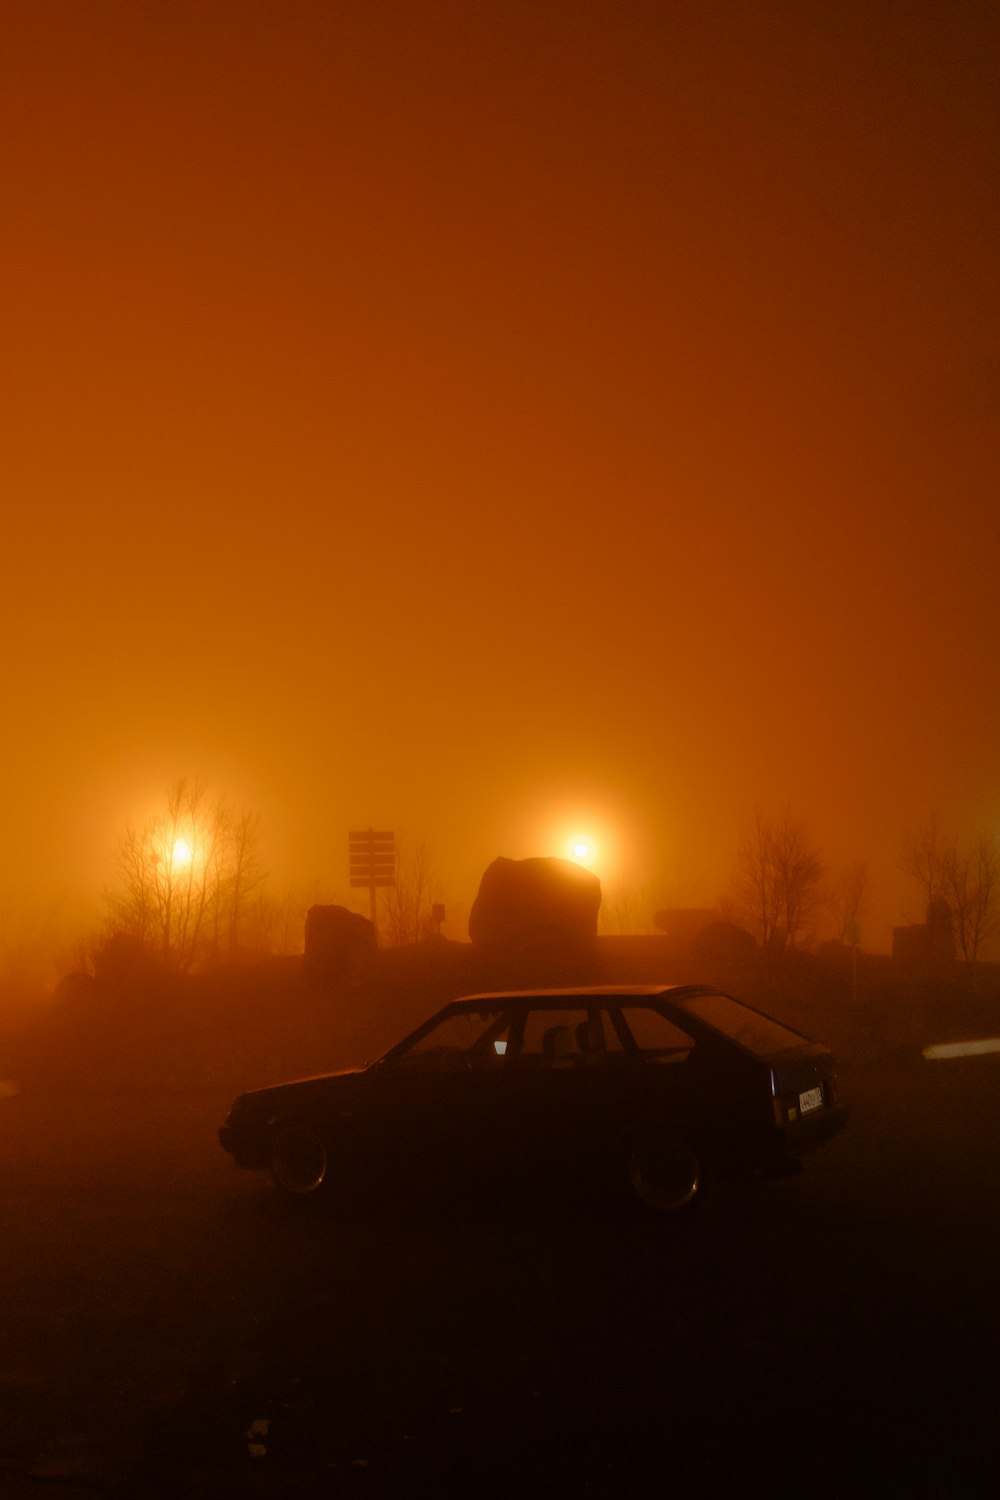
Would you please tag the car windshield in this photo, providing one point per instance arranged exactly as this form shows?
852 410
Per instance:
471 1038
748 1028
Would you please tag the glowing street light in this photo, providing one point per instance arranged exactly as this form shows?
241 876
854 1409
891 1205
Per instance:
581 849
181 853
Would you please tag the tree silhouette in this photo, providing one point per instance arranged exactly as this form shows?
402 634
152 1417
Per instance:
963 878
849 900
778 885
972 888
405 908
185 882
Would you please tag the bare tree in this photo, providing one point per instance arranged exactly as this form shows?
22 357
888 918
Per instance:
406 906
925 857
778 885
960 882
239 877
971 880
271 924
849 900
195 854
131 902
180 876
626 911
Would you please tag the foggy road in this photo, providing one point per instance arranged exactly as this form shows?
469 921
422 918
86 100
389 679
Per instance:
169 1327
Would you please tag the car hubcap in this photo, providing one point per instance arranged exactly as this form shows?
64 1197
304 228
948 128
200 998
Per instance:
298 1160
665 1174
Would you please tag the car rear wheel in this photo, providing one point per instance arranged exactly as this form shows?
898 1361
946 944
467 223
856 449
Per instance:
298 1159
666 1174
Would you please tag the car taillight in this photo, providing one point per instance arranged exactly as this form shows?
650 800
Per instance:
784 1105
786 1109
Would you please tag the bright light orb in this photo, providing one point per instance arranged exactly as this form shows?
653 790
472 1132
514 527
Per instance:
181 852
582 850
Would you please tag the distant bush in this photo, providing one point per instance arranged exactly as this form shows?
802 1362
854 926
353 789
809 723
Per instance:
122 960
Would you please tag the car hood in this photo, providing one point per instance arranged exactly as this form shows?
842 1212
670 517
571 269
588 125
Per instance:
301 1088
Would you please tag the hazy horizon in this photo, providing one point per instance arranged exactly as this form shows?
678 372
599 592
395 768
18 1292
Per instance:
499 423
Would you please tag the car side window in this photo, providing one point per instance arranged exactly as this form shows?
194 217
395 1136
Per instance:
657 1038
568 1037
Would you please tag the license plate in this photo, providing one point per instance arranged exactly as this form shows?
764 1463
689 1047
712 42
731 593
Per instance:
810 1100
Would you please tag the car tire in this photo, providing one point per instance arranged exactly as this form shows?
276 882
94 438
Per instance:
666 1173
298 1159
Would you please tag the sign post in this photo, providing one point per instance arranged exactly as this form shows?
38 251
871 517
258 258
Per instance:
853 936
371 859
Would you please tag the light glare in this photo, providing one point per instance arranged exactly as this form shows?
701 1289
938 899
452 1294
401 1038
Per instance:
963 1049
181 852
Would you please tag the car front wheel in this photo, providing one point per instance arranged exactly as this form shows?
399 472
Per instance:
666 1174
298 1159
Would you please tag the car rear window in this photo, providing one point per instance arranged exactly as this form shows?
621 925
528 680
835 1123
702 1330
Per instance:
656 1036
748 1028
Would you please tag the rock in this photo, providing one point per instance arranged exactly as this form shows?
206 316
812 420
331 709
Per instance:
534 903
339 944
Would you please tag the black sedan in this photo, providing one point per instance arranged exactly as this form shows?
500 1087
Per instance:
660 1089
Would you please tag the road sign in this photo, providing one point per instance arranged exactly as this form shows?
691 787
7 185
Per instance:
371 862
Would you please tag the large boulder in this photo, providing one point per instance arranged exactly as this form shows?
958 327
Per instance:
340 945
534 903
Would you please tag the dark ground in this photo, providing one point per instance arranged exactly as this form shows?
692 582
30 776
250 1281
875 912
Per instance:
168 1328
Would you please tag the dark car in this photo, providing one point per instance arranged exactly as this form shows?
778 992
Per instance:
656 1088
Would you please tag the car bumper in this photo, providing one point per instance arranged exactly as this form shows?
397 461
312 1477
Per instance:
246 1152
805 1135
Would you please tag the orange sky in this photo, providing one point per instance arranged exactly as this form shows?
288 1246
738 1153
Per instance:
470 418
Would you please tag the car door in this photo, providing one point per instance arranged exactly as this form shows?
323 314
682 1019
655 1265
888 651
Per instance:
672 1068
435 1109
568 1084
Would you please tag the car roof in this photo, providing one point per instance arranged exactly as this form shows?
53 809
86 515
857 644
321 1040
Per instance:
584 991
